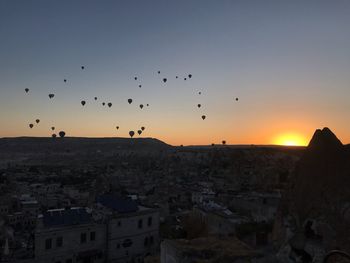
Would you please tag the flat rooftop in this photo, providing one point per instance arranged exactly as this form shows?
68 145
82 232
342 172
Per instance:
66 217
212 249
118 204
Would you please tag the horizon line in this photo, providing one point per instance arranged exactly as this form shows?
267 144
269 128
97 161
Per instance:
152 138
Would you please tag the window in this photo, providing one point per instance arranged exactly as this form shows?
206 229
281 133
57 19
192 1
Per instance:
59 242
140 223
69 260
150 221
83 238
119 223
146 241
118 246
127 243
92 236
151 240
48 243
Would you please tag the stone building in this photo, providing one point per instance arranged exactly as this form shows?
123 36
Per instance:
132 230
69 236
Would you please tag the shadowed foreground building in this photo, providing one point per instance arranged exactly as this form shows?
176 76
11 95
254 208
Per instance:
116 230
132 230
67 236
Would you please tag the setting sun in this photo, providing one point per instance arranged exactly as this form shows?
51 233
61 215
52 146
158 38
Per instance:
291 139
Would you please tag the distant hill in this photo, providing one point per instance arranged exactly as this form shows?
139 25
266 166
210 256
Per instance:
26 145
77 144
245 146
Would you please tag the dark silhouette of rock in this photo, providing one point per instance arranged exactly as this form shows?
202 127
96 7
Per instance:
323 163
324 141
320 187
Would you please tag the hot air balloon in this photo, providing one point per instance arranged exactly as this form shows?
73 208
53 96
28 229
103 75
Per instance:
185 78
83 102
51 95
62 134
53 128
199 93
142 128
103 103
199 105
224 142
147 104
130 101
165 80
117 127
31 126
212 144
82 67
135 78
189 76
37 120
53 135
177 77
140 86
158 72
141 106
236 99
109 104
95 98
203 117
65 80
26 90
131 133
139 132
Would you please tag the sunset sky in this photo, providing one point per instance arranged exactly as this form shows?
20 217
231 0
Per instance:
288 62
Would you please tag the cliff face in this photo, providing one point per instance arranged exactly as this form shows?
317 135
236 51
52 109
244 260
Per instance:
324 140
324 161
320 189
322 176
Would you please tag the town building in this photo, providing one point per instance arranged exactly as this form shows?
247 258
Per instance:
69 236
218 219
132 230
207 249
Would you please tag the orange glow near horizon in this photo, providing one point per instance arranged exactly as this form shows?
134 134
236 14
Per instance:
290 139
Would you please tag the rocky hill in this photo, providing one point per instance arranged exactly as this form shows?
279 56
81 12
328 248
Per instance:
76 144
320 188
